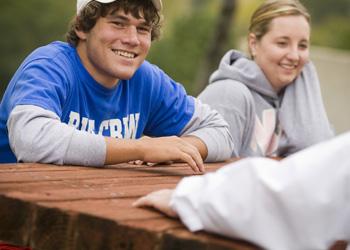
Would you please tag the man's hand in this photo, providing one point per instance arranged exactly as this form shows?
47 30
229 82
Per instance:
159 200
190 150
172 148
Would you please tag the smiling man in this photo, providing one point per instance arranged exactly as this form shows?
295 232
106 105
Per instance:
95 100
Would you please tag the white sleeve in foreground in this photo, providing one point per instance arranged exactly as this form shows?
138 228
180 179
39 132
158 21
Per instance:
302 202
38 135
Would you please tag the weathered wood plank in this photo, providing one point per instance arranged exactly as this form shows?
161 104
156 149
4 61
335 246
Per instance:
54 207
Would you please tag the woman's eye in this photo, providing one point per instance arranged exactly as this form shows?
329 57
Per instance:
281 44
303 46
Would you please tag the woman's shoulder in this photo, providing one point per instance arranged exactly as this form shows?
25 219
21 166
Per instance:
232 88
228 91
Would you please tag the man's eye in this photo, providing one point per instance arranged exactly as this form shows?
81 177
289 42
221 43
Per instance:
144 29
119 24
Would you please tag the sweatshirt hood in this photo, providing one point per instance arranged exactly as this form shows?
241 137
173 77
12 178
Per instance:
236 66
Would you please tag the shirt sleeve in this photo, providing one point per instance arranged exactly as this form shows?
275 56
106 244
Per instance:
208 125
171 108
52 91
301 202
235 103
38 135
174 112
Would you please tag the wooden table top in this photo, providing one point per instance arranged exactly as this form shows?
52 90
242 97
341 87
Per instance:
69 207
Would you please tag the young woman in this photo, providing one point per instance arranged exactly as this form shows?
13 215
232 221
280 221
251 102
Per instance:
271 100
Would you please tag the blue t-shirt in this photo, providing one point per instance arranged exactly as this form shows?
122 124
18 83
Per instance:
53 77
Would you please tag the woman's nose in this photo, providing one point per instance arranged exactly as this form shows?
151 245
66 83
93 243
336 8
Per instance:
293 54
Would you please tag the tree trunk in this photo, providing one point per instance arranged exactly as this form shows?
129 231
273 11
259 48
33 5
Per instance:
217 45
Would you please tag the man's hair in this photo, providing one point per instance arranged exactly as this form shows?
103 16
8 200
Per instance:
88 16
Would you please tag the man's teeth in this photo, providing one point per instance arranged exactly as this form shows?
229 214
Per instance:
124 53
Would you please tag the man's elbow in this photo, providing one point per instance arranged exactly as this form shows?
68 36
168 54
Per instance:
28 149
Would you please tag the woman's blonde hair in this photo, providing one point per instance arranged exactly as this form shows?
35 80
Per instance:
270 9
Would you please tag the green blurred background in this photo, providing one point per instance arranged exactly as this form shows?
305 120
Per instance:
188 33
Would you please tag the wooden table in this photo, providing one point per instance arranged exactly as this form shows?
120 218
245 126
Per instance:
67 207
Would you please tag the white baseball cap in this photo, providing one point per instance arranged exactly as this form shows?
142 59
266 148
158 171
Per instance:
82 3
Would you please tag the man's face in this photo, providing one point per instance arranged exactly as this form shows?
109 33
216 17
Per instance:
115 47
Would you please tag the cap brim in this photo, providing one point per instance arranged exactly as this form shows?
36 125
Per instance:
156 3
81 4
105 1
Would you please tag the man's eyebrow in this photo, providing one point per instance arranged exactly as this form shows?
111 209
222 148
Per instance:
120 17
125 18
145 24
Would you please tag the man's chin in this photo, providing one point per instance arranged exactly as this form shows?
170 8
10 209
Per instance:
126 75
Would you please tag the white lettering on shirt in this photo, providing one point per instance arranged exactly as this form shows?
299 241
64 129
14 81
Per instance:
130 128
116 128
74 119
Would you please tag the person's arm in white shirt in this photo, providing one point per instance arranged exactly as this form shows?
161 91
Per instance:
301 202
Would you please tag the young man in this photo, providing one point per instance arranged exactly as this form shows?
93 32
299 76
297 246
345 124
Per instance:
89 102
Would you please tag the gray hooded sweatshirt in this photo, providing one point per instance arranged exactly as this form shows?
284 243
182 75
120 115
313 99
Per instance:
263 122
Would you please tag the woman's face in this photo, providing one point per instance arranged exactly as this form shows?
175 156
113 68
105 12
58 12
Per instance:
283 51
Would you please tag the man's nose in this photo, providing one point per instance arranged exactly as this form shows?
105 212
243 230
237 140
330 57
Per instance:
131 36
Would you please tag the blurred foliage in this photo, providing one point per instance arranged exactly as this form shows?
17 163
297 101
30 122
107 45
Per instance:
330 22
26 25
339 26
188 26
321 10
180 51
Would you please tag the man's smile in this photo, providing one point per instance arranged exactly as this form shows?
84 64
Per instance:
123 53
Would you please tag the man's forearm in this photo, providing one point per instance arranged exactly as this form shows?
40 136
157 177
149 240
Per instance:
38 135
121 150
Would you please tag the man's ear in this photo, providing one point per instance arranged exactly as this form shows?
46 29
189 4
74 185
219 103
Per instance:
252 41
81 34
